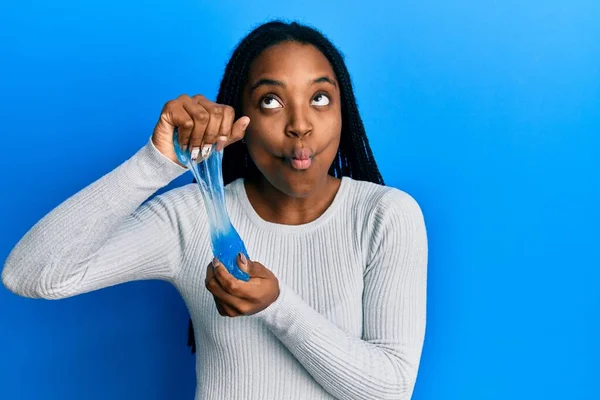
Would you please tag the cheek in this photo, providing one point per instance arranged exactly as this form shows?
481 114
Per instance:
264 141
333 120
265 133
332 128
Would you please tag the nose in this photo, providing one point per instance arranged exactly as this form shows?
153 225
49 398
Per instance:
299 124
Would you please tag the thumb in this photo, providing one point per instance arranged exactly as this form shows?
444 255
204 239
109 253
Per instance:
238 130
252 268
244 263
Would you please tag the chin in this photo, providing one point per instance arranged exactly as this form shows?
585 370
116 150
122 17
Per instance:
296 184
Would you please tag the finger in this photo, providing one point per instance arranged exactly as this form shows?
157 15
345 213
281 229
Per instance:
230 311
210 272
242 262
230 304
238 130
176 115
252 268
214 286
201 118
231 284
216 112
224 310
225 129
219 306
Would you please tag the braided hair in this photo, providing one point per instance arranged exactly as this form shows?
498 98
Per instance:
354 157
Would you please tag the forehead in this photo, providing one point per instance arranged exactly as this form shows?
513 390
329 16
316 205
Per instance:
290 60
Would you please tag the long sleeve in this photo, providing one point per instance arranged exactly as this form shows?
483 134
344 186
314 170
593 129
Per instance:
103 235
383 363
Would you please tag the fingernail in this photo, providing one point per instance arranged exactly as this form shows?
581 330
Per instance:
243 259
215 262
206 150
195 152
221 142
245 124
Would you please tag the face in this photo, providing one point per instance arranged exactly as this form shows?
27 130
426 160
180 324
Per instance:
293 101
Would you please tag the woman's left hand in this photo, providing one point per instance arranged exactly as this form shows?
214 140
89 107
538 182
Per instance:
234 297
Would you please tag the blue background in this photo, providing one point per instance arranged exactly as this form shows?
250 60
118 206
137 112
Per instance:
488 113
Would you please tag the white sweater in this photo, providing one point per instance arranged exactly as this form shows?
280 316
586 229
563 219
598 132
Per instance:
349 322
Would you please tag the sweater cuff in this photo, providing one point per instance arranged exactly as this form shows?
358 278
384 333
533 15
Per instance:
160 162
141 175
148 168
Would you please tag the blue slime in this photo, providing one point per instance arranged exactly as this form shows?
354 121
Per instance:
226 242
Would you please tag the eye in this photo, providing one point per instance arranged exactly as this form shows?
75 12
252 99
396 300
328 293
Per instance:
321 100
270 102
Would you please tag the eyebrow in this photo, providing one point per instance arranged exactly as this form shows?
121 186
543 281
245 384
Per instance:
272 82
325 79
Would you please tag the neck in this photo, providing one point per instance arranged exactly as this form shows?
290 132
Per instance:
273 205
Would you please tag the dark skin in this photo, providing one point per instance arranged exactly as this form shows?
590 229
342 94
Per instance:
301 113
292 100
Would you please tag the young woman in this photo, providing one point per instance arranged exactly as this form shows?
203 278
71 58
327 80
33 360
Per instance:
336 303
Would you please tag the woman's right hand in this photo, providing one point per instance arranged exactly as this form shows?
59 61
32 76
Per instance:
200 123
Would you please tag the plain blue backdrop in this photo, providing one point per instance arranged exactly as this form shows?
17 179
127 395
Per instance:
487 112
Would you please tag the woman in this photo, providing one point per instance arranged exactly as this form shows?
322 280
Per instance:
336 303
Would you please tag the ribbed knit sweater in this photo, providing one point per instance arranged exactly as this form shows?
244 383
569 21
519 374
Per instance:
349 322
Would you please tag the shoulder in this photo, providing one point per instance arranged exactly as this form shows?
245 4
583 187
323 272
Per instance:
380 201
386 218
393 224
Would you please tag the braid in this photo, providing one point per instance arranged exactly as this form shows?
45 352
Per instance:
354 157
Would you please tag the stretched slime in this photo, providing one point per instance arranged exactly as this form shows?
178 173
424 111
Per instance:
225 240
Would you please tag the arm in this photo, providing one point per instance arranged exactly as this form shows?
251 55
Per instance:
101 236
383 364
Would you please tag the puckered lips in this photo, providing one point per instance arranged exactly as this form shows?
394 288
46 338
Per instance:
300 158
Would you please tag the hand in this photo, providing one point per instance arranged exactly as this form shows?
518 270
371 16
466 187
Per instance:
200 123
234 297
